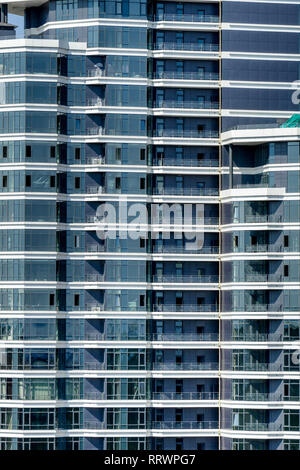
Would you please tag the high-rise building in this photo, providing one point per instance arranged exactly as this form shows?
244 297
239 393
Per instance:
149 236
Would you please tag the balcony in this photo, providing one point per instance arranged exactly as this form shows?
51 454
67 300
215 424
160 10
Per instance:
185 308
261 219
202 366
211 250
186 104
186 18
184 337
174 75
185 46
259 396
101 72
92 219
96 101
185 278
95 160
185 396
259 427
188 134
185 425
258 337
169 191
213 162
263 248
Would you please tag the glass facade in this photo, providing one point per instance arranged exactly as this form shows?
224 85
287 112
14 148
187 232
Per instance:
148 257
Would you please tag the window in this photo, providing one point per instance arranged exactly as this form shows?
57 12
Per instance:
178 415
286 270
253 240
4 151
77 153
118 154
52 181
286 241
52 151
51 299
77 182
142 183
76 241
4 181
142 243
28 151
142 154
179 444
200 156
28 181
76 300
179 386
142 300
236 241
118 182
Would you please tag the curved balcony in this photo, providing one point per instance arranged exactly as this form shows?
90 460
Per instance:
185 46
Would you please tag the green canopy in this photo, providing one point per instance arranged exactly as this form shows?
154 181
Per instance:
293 121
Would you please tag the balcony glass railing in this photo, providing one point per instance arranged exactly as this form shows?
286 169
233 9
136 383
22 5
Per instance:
185 134
186 46
259 396
185 425
185 308
185 396
263 427
186 18
169 191
92 219
182 249
257 337
185 104
185 366
174 75
187 278
186 162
